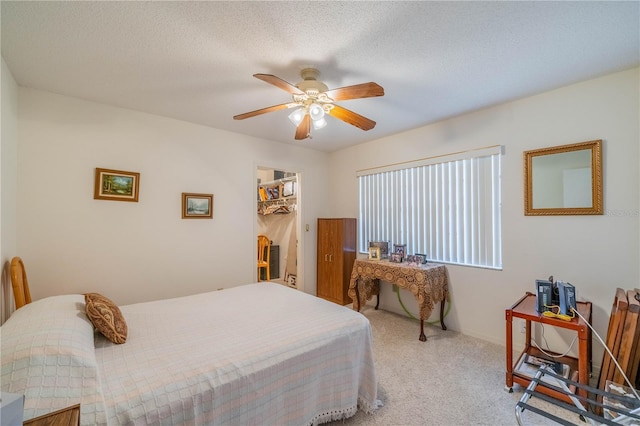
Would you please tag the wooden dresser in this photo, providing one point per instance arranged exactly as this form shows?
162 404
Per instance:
336 254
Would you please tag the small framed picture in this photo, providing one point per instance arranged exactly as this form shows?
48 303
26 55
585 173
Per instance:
423 257
197 206
374 253
416 259
395 258
116 185
411 259
384 248
400 249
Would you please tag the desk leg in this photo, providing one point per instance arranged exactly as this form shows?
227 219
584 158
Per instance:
423 337
444 327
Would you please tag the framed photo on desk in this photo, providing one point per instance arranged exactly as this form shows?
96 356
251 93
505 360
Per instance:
374 253
400 249
384 248
417 259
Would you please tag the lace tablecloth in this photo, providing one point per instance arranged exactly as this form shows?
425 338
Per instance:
428 282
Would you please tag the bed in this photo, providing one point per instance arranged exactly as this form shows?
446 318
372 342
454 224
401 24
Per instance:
255 354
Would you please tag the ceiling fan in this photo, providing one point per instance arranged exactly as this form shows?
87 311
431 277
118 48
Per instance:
313 100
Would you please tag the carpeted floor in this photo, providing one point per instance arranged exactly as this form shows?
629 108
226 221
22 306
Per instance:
450 379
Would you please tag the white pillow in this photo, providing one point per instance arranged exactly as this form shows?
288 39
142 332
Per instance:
48 355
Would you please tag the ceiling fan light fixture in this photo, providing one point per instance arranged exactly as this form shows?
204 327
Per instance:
319 124
316 112
297 116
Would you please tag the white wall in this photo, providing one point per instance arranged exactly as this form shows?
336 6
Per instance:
8 184
143 251
595 253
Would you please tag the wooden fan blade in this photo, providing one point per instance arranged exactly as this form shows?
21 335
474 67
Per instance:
352 118
262 111
278 82
302 131
364 90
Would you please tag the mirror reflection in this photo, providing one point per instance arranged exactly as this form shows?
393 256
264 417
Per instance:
564 180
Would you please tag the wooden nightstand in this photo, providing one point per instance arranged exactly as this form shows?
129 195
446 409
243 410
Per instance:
69 416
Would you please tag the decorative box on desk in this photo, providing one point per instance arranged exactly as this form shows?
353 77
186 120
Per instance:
525 308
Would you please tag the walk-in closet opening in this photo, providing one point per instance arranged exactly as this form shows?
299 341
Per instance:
278 219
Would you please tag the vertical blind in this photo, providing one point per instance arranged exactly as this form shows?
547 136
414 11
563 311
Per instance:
445 207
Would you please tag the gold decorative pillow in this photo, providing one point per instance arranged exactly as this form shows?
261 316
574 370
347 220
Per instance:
106 317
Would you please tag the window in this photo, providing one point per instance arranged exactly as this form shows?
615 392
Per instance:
445 207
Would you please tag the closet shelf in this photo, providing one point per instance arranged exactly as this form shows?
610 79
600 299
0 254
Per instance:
281 200
280 181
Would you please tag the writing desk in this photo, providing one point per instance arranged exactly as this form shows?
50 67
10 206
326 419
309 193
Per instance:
428 283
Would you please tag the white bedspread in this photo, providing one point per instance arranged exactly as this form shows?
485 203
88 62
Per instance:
259 354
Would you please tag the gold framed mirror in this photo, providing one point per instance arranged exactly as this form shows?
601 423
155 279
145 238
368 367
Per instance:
564 180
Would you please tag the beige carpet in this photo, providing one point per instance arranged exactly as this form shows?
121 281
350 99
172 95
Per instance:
450 379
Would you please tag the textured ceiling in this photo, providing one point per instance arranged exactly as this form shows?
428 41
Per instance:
194 61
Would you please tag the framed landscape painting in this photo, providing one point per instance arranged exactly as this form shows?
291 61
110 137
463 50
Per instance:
197 206
116 185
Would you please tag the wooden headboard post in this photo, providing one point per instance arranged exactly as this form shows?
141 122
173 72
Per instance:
19 283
